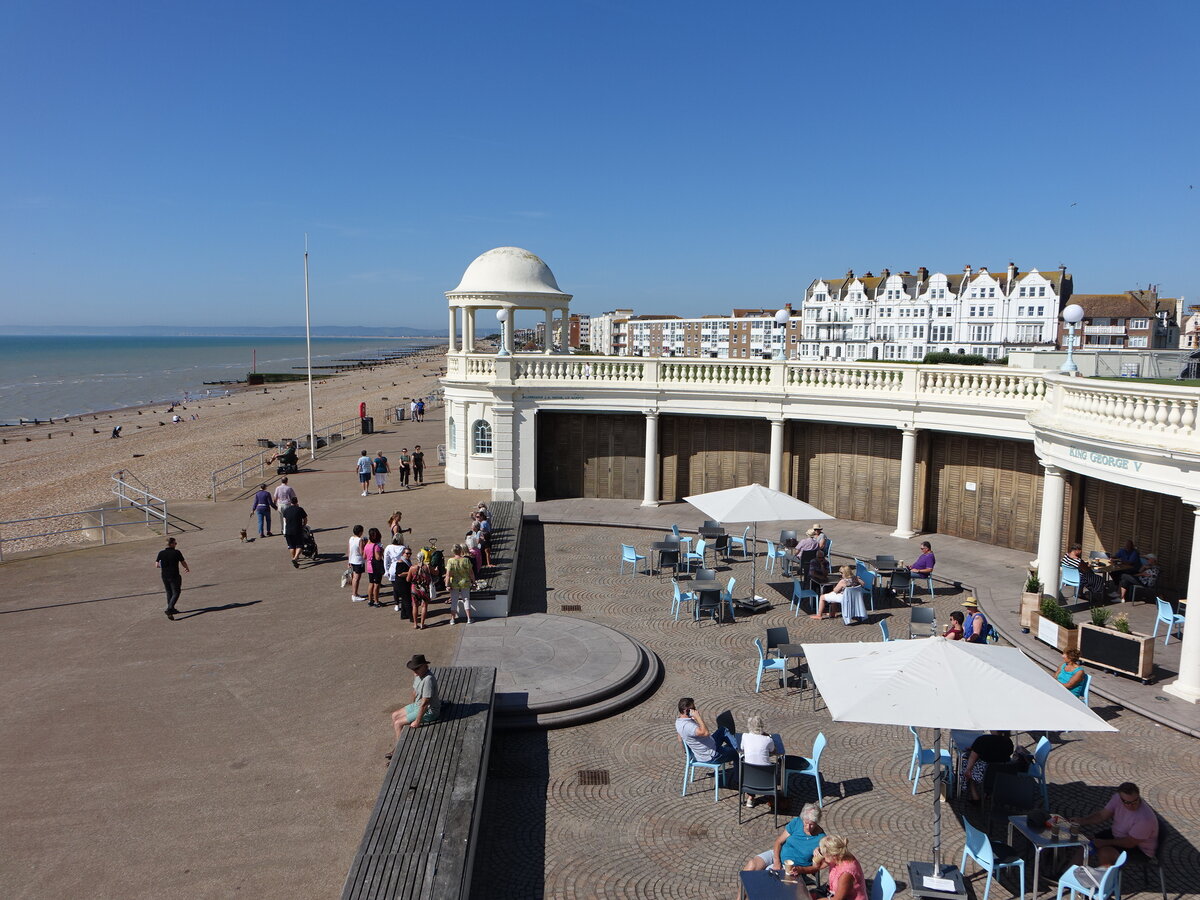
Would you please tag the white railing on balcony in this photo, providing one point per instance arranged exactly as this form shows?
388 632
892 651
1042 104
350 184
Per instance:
1139 412
1103 329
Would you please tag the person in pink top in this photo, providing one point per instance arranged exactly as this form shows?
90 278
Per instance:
846 879
1134 825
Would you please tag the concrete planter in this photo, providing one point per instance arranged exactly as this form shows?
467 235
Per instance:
1054 634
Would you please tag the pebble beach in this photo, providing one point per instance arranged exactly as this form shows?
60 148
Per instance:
67 467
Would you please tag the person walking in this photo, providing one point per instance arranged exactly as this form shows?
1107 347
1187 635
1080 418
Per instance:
284 493
419 581
364 473
373 554
420 410
356 561
460 574
394 525
262 504
168 562
295 520
381 469
418 465
405 467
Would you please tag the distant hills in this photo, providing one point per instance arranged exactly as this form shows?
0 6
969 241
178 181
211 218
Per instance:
400 331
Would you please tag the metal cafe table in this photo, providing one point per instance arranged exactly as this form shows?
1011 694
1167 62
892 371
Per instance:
764 885
1044 839
705 588
715 538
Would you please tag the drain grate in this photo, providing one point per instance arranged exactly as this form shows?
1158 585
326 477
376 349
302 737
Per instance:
593 776
571 607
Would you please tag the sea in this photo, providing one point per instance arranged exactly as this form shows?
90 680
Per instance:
45 377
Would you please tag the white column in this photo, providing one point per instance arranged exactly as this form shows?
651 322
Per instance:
548 331
1187 685
469 328
650 463
507 331
563 332
775 464
504 474
452 347
1050 533
908 479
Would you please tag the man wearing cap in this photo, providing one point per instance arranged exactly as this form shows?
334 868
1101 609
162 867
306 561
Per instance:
976 626
426 705
806 550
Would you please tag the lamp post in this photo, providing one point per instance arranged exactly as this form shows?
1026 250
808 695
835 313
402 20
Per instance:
782 317
1072 315
502 318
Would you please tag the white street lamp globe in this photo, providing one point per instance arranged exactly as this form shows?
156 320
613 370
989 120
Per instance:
782 316
502 315
1073 314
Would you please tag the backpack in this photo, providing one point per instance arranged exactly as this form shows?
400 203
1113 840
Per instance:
434 558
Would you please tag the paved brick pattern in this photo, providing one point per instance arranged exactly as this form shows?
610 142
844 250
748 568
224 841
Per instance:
545 834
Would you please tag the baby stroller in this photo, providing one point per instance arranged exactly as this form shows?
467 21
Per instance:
308 549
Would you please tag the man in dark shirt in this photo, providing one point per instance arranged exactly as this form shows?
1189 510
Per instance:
262 504
168 562
294 519
418 465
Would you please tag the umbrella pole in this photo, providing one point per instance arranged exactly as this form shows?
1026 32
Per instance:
937 803
754 567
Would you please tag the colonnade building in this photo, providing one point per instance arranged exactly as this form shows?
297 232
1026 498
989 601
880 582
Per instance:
1030 460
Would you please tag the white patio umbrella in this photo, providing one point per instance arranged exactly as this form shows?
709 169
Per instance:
936 683
754 503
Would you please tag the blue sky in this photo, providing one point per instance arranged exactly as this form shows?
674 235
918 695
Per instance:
162 161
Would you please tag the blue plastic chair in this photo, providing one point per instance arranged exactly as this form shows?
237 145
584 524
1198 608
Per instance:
883 628
868 579
735 541
727 598
691 764
774 553
681 597
1168 616
883 885
800 593
980 848
1037 768
630 555
766 665
912 580
804 765
683 539
926 756
1087 688
697 555
1069 578
1110 883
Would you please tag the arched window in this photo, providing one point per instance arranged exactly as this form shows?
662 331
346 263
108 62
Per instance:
452 434
481 438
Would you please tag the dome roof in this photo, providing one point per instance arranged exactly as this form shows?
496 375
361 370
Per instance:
508 270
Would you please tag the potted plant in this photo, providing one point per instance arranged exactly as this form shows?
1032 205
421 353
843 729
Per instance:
1031 600
1101 615
1116 647
1120 622
1055 626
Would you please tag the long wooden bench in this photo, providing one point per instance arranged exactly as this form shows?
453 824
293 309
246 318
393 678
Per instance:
494 599
420 839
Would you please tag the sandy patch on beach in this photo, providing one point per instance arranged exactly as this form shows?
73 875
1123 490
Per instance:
66 473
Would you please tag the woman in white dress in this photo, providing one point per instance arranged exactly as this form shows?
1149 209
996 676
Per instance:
757 747
834 597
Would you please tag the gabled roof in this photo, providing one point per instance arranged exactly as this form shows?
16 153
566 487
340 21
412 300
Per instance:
1129 305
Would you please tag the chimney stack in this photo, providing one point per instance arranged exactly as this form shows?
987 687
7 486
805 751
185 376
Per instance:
923 273
884 273
966 270
1012 271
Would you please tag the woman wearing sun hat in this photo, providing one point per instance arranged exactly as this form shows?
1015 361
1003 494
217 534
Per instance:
976 626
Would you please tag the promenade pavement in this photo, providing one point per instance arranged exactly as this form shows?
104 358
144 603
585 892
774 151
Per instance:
239 748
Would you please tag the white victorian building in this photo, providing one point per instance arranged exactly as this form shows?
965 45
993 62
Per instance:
1022 459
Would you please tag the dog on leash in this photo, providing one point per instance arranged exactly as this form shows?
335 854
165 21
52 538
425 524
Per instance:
244 538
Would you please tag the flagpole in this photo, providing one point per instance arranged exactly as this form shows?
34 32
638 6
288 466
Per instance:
312 428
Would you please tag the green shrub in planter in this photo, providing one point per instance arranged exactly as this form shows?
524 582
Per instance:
1032 585
1101 615
1059 615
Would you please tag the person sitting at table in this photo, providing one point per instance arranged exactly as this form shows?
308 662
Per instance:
834 597
1070 674
706 745
975 628
818 535
1147 576
806 549
954 631
1127 558
818 571
990 749
798 842
1091 582
923 565
1134 825
757 747
846 878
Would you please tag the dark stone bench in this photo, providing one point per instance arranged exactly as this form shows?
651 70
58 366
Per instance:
420 839
494 600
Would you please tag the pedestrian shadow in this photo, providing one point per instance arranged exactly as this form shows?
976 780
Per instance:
192 613
155 593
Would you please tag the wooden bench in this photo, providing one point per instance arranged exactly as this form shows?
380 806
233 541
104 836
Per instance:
495 600
420 839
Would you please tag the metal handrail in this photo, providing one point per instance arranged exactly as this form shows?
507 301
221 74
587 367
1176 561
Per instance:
126 494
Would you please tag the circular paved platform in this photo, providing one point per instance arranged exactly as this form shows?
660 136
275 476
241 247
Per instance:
553 671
